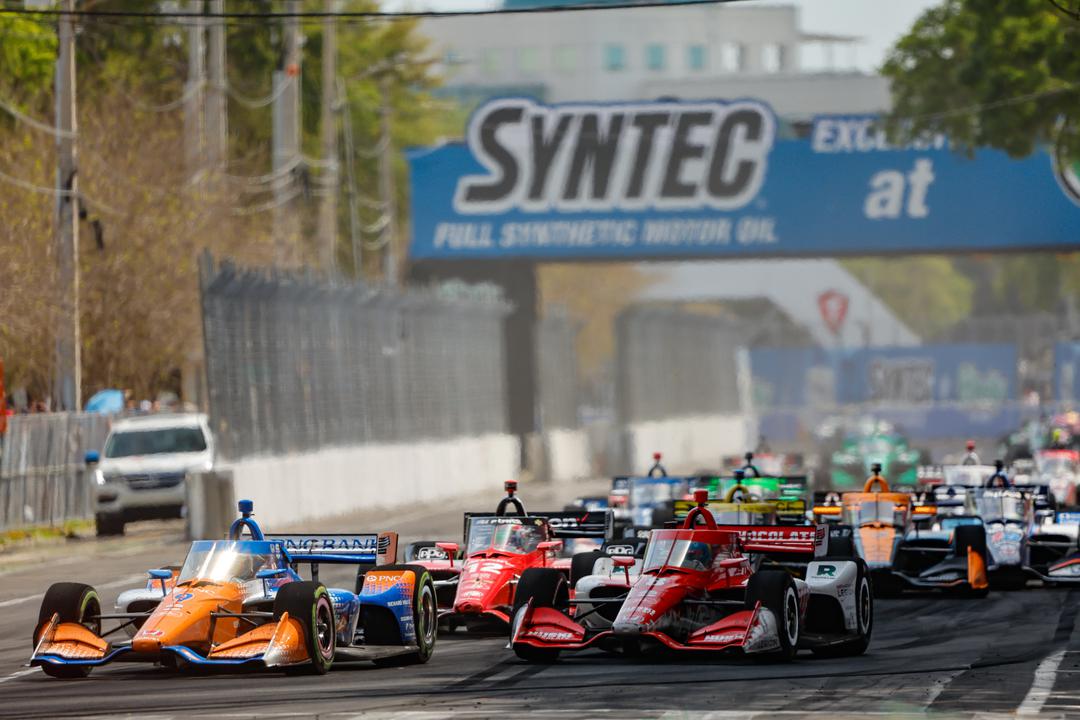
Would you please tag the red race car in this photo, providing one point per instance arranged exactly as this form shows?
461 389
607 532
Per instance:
475 587
697 589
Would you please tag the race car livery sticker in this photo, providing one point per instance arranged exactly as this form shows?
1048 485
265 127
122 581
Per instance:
329 544
431 553
826 571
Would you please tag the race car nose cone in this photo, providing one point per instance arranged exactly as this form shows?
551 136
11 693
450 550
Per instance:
628 628
146 646
469 607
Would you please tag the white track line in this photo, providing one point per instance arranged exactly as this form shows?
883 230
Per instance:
17 674
1042 685
19 600
105 586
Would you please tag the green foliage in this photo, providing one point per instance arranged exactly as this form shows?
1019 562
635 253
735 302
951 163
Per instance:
27 57
928 293
992 54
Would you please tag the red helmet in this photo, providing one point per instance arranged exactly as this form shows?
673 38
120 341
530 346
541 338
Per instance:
970 445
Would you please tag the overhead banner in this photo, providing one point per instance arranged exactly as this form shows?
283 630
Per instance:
714 179
962 373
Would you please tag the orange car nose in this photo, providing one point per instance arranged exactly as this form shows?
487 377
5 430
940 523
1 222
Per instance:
146 645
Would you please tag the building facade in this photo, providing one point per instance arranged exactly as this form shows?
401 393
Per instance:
686 52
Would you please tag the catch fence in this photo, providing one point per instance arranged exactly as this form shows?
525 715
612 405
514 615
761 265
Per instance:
296 362
559 392
43 480
672 363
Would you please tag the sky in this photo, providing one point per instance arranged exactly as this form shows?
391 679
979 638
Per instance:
879 22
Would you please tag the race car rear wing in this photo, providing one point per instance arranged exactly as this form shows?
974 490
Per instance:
788 512
806 540
566 524
348 549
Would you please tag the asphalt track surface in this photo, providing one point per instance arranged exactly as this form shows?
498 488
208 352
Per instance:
1012 654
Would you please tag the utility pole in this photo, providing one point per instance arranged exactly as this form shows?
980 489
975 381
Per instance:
287 139
217 108
195 91
328 207
350 177
386 184
67 390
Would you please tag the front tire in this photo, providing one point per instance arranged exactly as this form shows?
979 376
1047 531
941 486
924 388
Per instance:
775 590
109 524
71 603
546 588
582 564
310 604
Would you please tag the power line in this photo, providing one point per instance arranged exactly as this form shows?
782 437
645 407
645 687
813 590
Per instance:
362 14
255 103
44 190
994 105
36 124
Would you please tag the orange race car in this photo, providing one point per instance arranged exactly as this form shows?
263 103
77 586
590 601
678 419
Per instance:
888 534
241 602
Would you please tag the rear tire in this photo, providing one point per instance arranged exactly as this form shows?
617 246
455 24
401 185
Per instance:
309 604
72 603
546 588
582 565
425 618
109 525
775 590
864 620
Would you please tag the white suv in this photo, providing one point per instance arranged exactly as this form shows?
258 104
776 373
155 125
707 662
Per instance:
140 473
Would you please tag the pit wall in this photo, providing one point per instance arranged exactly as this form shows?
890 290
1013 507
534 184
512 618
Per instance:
688 444
337 481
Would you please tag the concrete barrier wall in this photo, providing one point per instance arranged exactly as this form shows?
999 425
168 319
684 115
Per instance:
688 444
336 481
569 455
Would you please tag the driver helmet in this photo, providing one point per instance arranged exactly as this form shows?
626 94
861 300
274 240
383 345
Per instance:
699 555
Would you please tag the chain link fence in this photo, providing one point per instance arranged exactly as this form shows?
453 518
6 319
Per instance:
673 363
42 475
295 362
559 389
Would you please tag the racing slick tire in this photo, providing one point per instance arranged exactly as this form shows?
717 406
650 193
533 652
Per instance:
582 564
775 590
72 603
108 525
974 537
864 619
425 609
545 587
309 603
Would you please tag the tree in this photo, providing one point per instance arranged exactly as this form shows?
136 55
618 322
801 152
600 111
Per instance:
27 57
1003 74
139 301
994 73
926 292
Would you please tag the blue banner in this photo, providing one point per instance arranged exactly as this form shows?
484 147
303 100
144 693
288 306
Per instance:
1066 369
965 373
713 179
